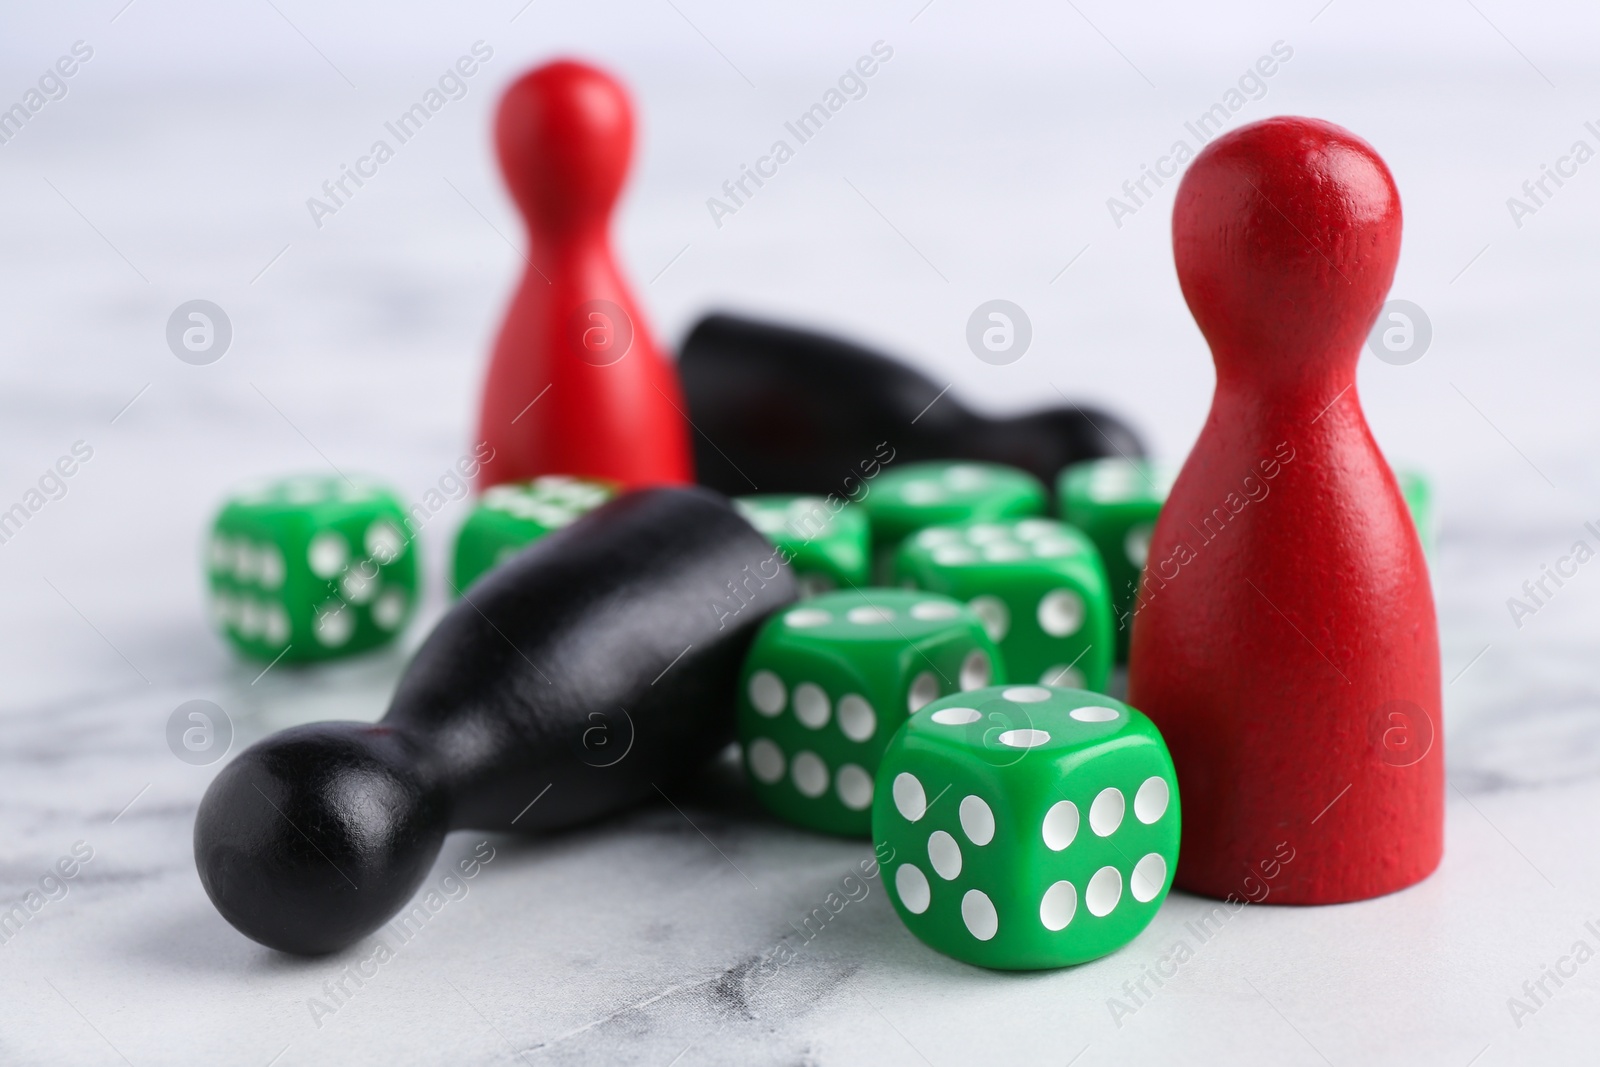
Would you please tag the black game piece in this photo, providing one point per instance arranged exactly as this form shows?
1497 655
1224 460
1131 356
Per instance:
633 621
781 410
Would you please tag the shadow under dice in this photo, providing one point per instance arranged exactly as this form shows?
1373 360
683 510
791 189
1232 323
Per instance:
825 542
1038 586
510 516
906 499
827 683
1031 827
311 568
1115 502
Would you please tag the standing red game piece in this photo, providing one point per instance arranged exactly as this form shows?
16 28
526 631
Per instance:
575 386
1285 639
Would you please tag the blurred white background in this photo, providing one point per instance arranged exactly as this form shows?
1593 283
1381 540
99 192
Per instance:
978 165
179 163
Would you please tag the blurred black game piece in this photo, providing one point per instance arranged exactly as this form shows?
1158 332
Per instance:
600 661
783 410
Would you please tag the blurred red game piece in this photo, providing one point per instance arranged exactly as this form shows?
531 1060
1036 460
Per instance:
576 385
1284 639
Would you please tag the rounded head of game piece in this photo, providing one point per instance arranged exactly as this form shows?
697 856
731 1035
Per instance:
564 133
360 788
1286 233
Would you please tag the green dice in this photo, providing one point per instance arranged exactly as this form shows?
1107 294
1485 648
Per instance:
903 500
512 515
827 683
1115 502
311 568
827 546
1038 585
1418 494
1030 827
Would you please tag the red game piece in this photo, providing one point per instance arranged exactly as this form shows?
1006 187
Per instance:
1284 640
575 386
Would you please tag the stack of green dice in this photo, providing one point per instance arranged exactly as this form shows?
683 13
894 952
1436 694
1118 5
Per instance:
826 544
828 682
887 709
903 500
1115 502
1038 585
511 516
311 568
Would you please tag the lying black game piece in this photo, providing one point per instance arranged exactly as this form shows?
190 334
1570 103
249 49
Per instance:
781 410
632 621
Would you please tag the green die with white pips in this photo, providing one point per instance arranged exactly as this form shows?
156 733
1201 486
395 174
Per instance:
311 568
510 516
1115 502
1037 584
1031 827
826 544
906 499
827 683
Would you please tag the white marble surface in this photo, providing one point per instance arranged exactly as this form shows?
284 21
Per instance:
977 166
